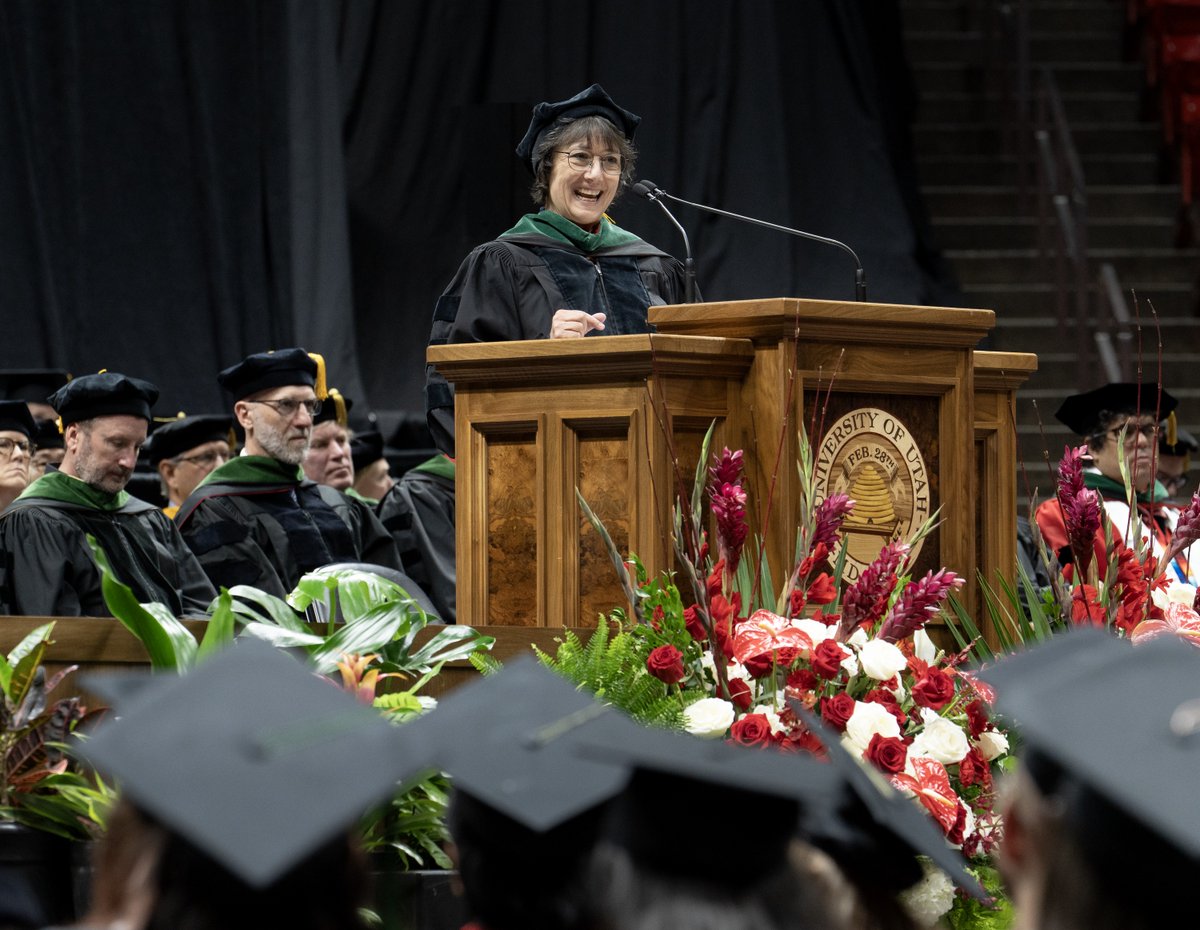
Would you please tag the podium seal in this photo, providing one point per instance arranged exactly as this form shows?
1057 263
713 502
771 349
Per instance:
869 454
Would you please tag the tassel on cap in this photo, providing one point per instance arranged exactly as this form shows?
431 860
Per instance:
319 386
339 405
58 423
1172 429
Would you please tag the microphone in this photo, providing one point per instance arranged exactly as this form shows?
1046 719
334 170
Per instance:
647 190
652 192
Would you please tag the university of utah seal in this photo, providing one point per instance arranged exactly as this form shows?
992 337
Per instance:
870 455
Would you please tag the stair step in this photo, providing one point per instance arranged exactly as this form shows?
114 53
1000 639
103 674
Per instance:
989 232
1024 266
1040 300
1116 106
971 138
938 76
1141 170
1154 200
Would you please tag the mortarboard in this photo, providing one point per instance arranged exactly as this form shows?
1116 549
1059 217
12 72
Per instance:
247 758
504 740
1111 732
175 437
32 384
1184 443
15 417
591 102
366 448
265 370
48 435
336 409
106 394
1081 412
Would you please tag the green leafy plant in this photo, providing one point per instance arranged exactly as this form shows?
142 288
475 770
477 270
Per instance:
40 787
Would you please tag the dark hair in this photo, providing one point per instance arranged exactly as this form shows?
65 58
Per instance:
595 129
189 890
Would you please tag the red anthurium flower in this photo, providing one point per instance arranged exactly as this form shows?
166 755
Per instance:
766 632
931 785
1177 618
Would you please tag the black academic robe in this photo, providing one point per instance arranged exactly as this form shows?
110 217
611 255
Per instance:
47 569
509 289
269 535
419 513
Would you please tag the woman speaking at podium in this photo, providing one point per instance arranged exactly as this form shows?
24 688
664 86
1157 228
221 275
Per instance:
566 271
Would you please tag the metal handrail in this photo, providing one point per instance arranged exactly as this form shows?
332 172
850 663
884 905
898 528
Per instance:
1116 351
1063 220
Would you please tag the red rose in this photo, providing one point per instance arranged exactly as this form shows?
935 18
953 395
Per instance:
886 699
759 666
751 730
796 602
740 693
666 664
802 679
695 627
974 769
887 753
935 689
822 591
977 719
827 659
786 656
836 710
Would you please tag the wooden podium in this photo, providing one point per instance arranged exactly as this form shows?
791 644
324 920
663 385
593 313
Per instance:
900 411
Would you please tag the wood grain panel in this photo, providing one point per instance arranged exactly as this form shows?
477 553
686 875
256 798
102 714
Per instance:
512 532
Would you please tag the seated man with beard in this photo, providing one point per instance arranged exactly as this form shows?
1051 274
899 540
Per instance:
46 566
257 519
185 450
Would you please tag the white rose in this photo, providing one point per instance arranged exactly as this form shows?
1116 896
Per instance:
992 744
1177 592
708 718
858 638
866 721
815 630
737 670
850 664
881 660
941 740
931 898
923 647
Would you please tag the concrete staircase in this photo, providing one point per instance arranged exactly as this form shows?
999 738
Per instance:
970 189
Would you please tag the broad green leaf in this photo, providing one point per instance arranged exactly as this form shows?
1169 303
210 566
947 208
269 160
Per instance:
700 481
219 633
181 636
368 634
22 674
31 640
284 639
141 623
271 609
454 642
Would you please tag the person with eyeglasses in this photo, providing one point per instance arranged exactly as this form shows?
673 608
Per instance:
1174 463
17 429
1120 424
258 519
47 567
563 272
185 450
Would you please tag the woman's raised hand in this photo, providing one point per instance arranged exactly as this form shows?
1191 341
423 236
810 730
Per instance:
574 324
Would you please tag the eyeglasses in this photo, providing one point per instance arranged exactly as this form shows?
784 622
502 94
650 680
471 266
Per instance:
1133 430
1175 483
582 161
204 459
288 408
7 446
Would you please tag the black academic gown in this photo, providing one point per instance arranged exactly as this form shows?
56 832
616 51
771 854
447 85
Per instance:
509 289
269 535
419 513
48 570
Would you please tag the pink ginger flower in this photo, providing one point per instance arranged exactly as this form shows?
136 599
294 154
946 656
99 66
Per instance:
1080 506
729 508
827 521
727 469
917 604
866 599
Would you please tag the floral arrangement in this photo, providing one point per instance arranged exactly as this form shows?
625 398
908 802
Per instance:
856 654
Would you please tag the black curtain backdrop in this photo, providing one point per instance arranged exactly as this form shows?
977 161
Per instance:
183 183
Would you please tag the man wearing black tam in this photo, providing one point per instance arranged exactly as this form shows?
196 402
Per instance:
47 568
257 519
1120 423
566 271
185 450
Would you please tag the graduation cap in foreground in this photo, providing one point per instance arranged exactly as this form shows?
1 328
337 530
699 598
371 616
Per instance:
875 833
767 789
507 741
1081 412
1112 734
250 758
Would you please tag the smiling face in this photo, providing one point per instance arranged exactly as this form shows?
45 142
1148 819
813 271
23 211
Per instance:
582 196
